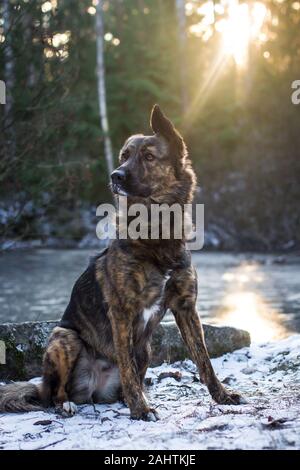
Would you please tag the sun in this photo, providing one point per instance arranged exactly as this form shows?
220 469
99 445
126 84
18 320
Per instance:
242 25
239 23
236 34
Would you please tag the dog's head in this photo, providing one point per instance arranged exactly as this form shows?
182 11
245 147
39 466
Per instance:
152 166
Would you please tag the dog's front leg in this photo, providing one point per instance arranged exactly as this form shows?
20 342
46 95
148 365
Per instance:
181 299
130 379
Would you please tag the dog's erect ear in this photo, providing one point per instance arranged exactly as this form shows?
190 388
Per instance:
160 124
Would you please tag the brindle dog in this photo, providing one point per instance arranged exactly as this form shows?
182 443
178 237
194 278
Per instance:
102 347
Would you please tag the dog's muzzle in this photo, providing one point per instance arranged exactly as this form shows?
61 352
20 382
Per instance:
118 179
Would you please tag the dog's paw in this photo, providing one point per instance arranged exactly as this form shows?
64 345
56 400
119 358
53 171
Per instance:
69 408
226 397
149 415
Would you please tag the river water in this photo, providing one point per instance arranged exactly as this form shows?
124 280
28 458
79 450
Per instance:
259 293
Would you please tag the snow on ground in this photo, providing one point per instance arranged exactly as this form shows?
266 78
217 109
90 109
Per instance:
268 375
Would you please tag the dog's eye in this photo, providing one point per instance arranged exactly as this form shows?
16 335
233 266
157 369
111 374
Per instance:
149 156
125 155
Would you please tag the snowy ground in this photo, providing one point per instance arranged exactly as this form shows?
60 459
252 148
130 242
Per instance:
268 376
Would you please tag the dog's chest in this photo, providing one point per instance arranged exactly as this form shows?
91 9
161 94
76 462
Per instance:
155 309
150 312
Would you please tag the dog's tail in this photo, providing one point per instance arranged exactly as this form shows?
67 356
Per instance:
20 396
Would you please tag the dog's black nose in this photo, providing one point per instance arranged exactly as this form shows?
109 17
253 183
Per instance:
118 176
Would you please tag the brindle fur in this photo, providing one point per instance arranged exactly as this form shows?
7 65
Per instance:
101 349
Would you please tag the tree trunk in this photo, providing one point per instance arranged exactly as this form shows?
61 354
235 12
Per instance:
9 79
180 9
27 22
102 90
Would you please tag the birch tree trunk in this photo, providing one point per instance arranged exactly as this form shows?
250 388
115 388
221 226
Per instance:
180 10
102 90
9 79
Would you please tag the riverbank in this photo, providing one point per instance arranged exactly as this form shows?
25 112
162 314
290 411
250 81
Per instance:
26 224
268 376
